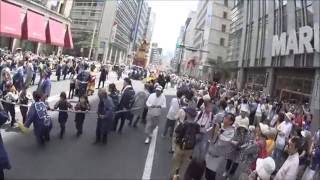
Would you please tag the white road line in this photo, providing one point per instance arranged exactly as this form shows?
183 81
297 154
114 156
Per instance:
149 161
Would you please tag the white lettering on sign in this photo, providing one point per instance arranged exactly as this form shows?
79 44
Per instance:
289 42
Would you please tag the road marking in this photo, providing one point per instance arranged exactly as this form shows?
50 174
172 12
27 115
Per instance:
149 161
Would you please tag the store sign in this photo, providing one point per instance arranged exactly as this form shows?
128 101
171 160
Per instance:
298 44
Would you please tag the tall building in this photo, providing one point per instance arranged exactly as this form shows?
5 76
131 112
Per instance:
177 59
40 26
211 36
279 50
155 54
92 24
124 26
188 55
141 24
148 31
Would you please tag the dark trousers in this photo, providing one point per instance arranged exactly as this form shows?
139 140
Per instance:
122 116
43 135
62 129
58 77
64 76
23 111
79 124
9 108
33 78
71 93
62 119
169 124
101 132
1 174
101 81
210 175
231 167
194 171
144 116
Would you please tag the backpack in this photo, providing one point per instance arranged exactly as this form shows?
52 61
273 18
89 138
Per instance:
41 109
186 135
130 95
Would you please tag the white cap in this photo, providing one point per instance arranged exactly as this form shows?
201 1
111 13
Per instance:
265 167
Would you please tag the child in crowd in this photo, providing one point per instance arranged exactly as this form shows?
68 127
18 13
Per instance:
62 104
72 87
23 100
11 97
82 106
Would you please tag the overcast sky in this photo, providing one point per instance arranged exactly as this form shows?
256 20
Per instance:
170 16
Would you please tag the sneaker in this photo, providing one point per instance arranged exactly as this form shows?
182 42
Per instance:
147 141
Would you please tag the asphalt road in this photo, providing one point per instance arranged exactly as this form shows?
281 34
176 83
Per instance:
124 157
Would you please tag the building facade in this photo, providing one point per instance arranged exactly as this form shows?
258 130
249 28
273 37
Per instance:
155 54
141 24
188 55
148 31
279 50
177 59
124 28
211 36
92 24
40 26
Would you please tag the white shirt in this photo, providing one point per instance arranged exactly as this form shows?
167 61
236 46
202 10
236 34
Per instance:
285 127
174 108
289 169
153 100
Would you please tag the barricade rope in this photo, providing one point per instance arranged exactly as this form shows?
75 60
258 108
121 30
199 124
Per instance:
70 111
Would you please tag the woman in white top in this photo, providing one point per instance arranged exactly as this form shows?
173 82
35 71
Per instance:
205 117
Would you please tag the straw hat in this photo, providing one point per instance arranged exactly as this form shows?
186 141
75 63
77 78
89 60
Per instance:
265 167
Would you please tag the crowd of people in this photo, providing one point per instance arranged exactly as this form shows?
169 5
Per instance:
219 132
216 130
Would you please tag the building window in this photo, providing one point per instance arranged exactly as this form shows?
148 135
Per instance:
225 15
223 28
82 12
226 2
219 58
92 13
222 41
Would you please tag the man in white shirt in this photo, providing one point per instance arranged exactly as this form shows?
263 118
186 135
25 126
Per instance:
289 169
155 103
171 116
243 117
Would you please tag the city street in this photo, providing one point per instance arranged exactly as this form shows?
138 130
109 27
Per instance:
124 157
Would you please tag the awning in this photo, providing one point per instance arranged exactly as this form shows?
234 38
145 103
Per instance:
10 20
55 33
34 27
68 43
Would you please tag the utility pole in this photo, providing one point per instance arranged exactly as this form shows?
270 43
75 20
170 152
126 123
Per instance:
92 39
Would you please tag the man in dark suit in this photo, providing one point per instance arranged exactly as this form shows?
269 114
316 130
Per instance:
126 102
